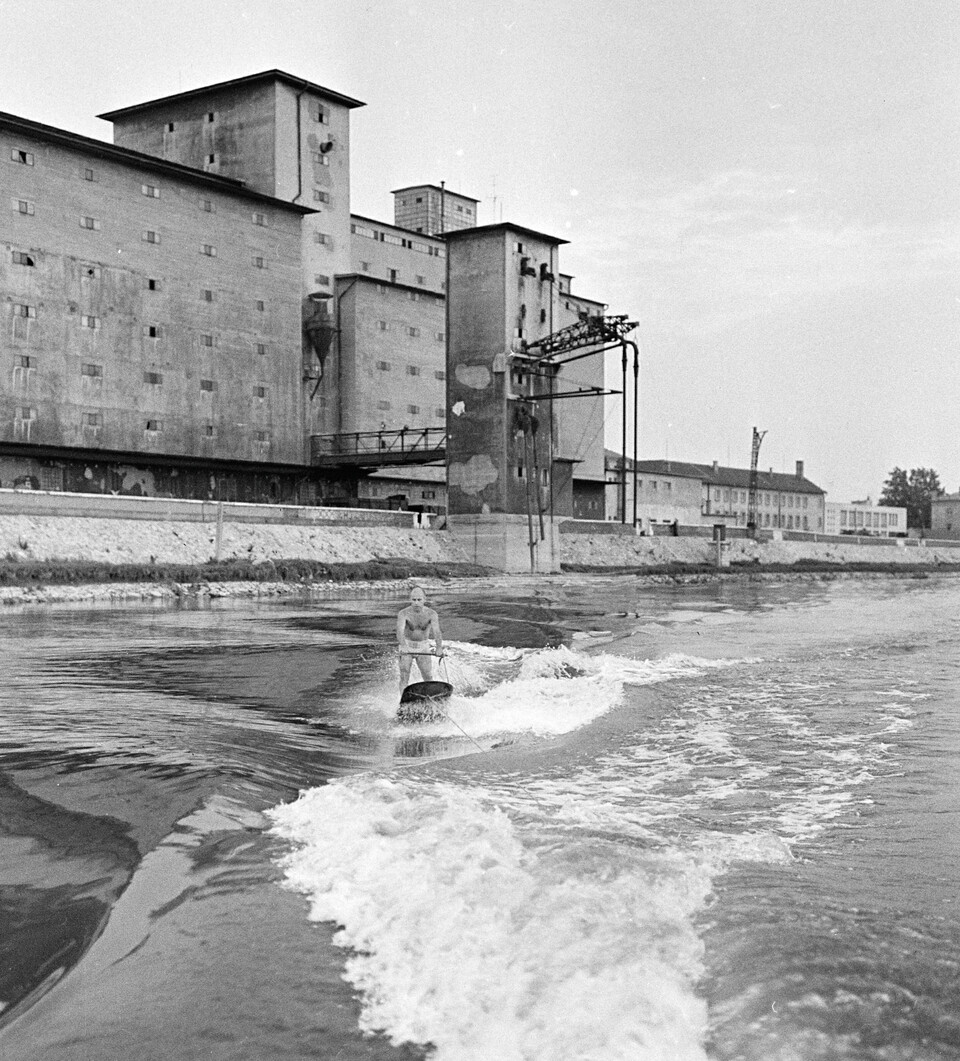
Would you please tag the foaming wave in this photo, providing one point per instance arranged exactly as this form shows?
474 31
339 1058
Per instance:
466 935
547 692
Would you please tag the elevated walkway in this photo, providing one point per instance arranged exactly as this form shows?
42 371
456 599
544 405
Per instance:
379 449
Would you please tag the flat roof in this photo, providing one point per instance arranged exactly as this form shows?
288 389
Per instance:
436 188
503 226
102 149
379 280
264 75
390 224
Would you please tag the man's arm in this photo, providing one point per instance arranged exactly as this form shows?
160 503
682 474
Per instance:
435 631
401 624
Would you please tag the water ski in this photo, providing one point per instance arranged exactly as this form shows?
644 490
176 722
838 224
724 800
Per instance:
423 701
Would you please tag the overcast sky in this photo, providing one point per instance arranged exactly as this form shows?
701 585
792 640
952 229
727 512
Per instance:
772 189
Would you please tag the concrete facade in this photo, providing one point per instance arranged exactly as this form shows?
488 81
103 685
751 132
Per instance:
136 318
283 136
944 517
433 210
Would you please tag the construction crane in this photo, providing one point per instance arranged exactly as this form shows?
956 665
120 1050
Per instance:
753 497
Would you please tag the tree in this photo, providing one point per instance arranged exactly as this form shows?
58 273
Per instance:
912 492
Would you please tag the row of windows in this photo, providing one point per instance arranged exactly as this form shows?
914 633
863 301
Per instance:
385 406
148 236
859 518
765 498
398 241
412 370
409 329
393 275
27 414
93 370
151 191
460 208
412 296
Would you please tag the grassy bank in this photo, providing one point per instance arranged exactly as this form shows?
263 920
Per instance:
78 572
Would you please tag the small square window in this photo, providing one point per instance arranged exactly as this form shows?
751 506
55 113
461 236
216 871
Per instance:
93 371
414 332
209 250
211 159
413 370
154 378
262 436
24 361
439 336
383 366
22 310
171 127
383 406
88 174
261 305
152 331
211 116
260 392
260 219
258 263
206 205
91 223
320 114
150 236
92 420
262 349
22 258
151 191
25 158
440 412
24 206
89 321
154 426
322 280
365 267
320 196
206 384
439 374
321 237
210 431
153 284
206 340
206 294
413 409
383 326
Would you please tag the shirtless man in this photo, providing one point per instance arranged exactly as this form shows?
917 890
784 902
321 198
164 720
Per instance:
416 624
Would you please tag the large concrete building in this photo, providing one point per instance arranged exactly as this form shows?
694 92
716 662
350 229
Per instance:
195 311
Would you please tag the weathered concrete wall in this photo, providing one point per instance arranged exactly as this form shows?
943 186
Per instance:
615 550
177 541
112 341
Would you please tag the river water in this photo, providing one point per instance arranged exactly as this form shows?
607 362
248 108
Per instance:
711 821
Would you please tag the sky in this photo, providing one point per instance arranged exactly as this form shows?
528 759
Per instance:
770 189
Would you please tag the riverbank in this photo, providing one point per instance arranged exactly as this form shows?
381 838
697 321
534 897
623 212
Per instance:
62 559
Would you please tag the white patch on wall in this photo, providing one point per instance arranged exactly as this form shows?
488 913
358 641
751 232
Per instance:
473 475
459 409
477 377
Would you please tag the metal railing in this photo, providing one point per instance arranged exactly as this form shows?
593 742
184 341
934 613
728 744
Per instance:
408 445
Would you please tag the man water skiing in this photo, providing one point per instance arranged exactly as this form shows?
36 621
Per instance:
416 624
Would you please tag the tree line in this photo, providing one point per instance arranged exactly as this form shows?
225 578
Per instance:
913 490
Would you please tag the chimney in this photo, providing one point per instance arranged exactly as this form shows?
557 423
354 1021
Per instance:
799 469
716 465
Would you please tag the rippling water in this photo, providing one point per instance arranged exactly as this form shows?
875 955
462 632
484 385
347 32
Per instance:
676 822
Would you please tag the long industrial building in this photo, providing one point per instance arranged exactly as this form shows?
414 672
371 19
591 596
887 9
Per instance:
194 310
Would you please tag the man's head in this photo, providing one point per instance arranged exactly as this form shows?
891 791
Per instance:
417 596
